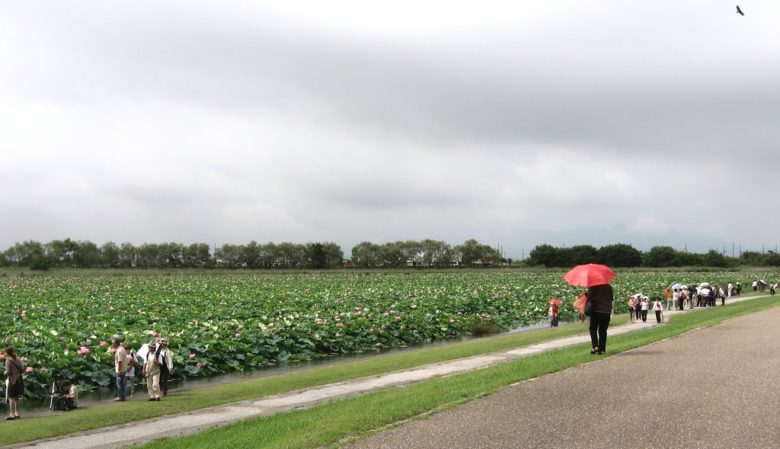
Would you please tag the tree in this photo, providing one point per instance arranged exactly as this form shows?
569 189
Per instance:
582 254
659 256
685 259
196 255
435 253
474 253
544 255
367 255
316 257
87 255
334 256
229 256
109 253
128 255
620 255
714 259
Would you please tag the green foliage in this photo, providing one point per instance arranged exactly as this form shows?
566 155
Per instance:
620 255
221 324
480 326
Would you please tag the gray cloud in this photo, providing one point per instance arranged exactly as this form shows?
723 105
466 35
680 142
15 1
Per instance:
272 122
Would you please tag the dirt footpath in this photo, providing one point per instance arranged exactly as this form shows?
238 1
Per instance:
712 388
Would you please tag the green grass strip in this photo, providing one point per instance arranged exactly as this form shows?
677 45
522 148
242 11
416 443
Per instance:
334 423
58 424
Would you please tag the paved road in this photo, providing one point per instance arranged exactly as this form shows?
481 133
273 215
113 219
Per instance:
713 388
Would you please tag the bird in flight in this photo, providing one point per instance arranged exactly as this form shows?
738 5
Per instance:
739 11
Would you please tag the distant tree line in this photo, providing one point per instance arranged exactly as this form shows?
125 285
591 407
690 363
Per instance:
425 253
85 254
69 253
623 255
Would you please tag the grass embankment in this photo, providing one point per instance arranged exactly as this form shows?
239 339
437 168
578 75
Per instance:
57 424
337 422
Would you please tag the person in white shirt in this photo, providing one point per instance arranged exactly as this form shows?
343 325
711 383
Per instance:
658 308
151 371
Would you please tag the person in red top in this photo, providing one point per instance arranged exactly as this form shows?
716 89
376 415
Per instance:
554 315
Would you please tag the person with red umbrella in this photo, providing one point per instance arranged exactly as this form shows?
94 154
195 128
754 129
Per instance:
599 300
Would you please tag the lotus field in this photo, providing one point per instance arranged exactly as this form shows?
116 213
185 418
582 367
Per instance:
227 323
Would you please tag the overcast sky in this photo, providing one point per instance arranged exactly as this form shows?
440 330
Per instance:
519 123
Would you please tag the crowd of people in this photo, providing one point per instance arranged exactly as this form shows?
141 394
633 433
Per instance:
154 361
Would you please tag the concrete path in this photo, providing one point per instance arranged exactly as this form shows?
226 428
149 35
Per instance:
713 388
145 431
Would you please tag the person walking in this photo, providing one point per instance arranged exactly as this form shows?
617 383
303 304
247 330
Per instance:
601 299
165 359
645 305
631 307
120 366
151 370
15 390
658 308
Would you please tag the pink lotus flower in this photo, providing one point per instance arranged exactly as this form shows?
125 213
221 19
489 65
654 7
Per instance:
199 365
44 370
24 360
29 370
192 355
103 344
83 351
238 334
339 325
2 357
338 335
111 308
111 350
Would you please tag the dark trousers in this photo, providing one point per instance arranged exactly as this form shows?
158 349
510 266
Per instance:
120 386
658 315
599 322
164 375
644 315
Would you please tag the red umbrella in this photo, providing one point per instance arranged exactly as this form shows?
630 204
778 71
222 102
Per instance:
556 301
589 275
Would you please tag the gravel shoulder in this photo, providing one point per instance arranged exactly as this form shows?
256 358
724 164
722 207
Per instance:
711 388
